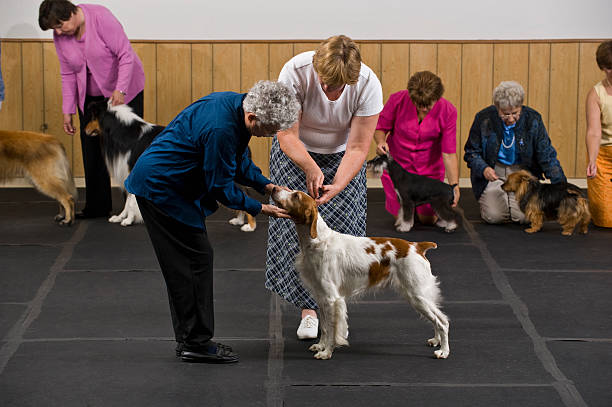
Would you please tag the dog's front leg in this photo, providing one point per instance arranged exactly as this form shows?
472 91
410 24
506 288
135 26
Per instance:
405 217
325 347
537 221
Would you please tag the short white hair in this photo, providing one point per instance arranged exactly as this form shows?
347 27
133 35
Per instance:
274 104
508 94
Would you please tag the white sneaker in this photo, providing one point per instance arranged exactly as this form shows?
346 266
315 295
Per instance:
309 328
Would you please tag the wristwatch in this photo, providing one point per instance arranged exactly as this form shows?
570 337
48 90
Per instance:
122 92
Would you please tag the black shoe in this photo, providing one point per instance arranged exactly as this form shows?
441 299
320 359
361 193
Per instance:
213 353
84 214
179 349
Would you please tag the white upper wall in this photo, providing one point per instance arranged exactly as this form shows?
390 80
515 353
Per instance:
318 19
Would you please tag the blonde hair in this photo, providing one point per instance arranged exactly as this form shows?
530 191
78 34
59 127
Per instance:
337 61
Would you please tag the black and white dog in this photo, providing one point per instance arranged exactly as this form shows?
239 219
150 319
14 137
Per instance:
124 137
413 190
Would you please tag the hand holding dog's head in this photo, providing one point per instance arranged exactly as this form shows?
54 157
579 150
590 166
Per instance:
301 206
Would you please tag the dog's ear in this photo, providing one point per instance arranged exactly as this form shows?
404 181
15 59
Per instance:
311 214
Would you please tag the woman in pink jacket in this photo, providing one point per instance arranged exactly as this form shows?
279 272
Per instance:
418 128
96 62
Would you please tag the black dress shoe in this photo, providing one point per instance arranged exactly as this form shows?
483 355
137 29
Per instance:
90 215
212 353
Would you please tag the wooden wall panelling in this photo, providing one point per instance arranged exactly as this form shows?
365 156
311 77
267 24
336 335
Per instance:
370 55
33 106
147 52
449 71
564 103
173 80
589 75
395 60
226 67
538 92
476 87
201 70
300 47
511 63
53 116
11 115
423 57
255 66
279 54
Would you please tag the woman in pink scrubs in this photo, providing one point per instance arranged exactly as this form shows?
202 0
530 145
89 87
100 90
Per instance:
418 128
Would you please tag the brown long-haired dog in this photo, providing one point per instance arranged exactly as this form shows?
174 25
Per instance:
562 202
42 160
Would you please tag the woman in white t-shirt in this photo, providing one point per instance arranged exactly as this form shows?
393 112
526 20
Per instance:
323 154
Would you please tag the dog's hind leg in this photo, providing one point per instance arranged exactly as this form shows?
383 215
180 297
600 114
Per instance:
425 298
238 220
431 311
446 214
341 331
57 189
250 225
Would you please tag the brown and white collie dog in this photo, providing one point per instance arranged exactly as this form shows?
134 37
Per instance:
41 159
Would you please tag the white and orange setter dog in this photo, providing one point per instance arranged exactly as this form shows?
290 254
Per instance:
335 266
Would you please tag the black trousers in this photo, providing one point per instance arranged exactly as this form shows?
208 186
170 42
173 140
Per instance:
98 200
186 260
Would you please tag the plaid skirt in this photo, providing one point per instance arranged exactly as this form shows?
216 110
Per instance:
345 213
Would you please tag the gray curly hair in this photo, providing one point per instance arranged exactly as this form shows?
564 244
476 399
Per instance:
508 94
274 104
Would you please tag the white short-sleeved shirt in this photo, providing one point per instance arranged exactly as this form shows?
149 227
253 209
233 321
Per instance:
325 124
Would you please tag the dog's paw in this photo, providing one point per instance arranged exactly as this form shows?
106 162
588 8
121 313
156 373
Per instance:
247 228
441 354
317 347
531 230
323 355
403 227
116 219
59 217
65 222
127 222
236 221
433 342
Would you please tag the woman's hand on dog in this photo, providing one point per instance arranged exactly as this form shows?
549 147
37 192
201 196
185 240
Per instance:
382 148
489 174
274 211
68 127
117 98
314 181
327 193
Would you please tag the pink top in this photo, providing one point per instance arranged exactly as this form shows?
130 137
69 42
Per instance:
417 147
107 52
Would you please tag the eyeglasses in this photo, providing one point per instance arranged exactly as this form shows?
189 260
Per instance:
509 116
